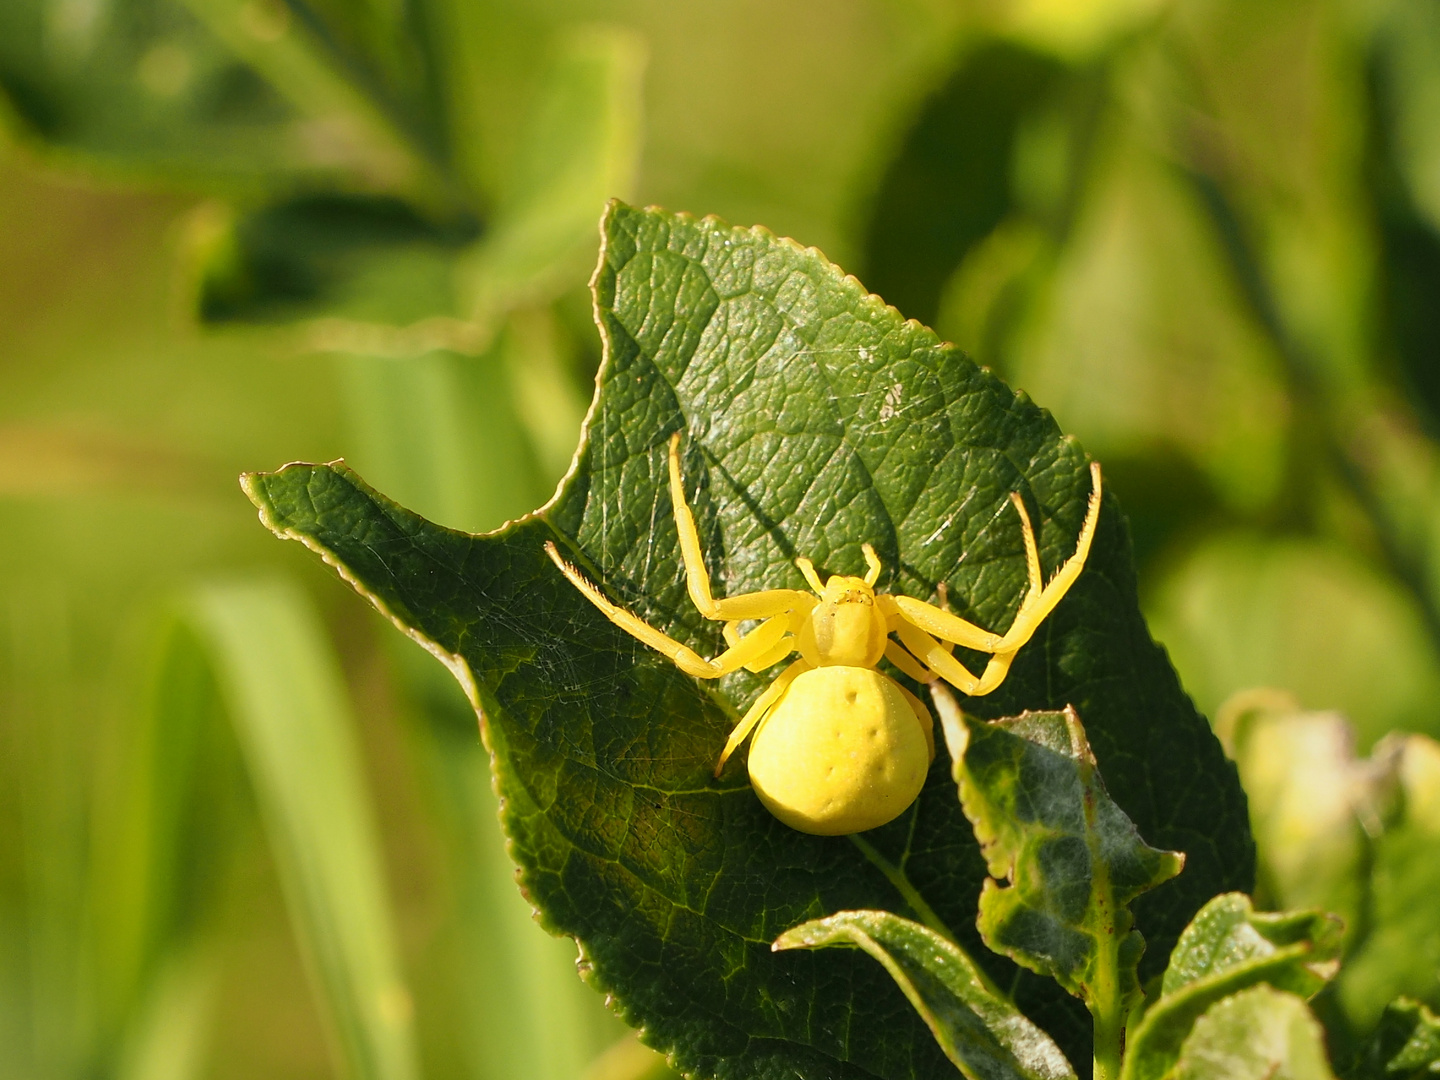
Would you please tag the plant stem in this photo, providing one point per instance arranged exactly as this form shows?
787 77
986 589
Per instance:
1109 1037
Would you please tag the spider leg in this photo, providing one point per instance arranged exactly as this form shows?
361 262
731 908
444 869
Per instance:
872 561
934 655
757 711
811 578
760 642
781 649
908 664
1033 613
1034 606
756 605
943 625
1032 554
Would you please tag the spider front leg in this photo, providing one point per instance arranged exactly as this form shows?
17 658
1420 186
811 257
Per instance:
756 605
763 704
760 643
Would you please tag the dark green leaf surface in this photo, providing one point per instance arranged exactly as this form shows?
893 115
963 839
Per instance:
361 256
1228 948
815 420
1258 1034
983 1034
1070 858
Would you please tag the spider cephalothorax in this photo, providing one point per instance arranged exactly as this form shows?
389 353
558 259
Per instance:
840 747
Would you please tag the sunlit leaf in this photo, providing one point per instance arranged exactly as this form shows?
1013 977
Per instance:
169 1037
1064 860
982 1033
1258 1034
817 420
581 149
1229 948
1349 834
1312 801
1401 953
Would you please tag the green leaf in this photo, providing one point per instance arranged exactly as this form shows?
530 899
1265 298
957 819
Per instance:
1348 834
230 95
950 183
1139 336
366 261
357 84
286 698
817 420
1401 952
364 257
520 1010
1244 610
1258 1034
168 1038
1072 860
1410 50
1308 796
1230 947
1405 1046
437 428
1291 950
174 798
980 1031
582 147
142 86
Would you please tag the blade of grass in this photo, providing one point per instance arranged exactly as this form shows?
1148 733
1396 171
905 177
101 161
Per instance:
287 701
42 701
169 1036
167 803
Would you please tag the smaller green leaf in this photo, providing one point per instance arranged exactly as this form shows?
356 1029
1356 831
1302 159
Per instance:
979 1030
1296 950
1406 1045
168 1037
1073 860
1259 1034
1229 947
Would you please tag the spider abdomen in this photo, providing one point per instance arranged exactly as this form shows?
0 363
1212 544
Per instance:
841 752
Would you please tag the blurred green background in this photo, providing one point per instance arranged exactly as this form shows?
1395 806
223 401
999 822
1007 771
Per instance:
247 830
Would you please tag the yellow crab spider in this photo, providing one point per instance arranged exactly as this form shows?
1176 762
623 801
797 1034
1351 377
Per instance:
839 746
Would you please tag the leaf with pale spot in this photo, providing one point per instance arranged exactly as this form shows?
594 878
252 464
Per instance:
815 419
